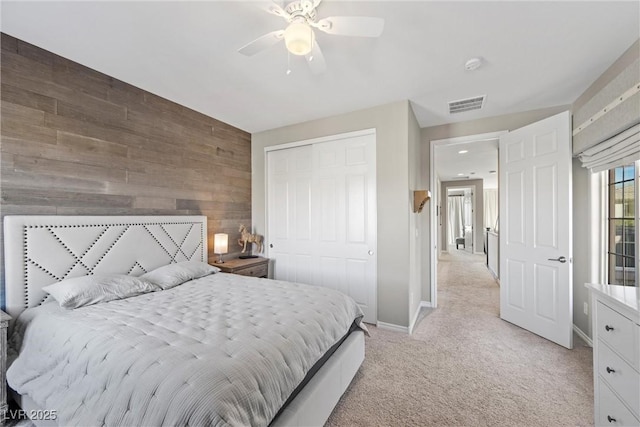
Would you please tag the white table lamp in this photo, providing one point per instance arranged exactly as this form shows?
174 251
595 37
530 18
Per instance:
220 245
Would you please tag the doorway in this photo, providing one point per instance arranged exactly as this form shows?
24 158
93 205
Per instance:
535 241
458 213
457 163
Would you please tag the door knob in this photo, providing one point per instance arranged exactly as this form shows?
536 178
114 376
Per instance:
560 259
271 245
370 253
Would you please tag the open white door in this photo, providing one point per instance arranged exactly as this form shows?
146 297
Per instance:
535 229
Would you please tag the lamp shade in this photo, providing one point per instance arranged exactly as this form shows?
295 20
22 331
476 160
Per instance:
220 243
299 38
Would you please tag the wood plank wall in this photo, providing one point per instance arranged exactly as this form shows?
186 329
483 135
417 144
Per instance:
78 142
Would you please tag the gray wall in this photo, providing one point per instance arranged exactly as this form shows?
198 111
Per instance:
604 89
478 231
425 219
394 205
617 79
600 93
489 124
473 127
418 263
78 142
581 228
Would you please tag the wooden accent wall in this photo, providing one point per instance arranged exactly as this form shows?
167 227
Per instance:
78 142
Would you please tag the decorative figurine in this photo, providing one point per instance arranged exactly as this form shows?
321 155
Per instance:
249 238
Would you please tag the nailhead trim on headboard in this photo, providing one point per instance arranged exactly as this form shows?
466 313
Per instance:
173 257
64 245
111 246
127 226
83 259
26 270
195 250
134 266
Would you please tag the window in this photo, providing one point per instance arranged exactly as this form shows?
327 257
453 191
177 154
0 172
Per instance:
623 225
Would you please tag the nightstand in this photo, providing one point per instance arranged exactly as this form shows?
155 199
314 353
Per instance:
4 324
254 267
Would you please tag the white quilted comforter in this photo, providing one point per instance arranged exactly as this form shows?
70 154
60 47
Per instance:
220 350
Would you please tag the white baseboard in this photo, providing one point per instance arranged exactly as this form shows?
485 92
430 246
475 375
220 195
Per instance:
392 327
493 273
582 335
412 325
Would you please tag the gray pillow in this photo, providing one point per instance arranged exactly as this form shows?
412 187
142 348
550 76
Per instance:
176 274
86 290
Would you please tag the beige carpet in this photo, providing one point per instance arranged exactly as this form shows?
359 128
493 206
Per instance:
465 367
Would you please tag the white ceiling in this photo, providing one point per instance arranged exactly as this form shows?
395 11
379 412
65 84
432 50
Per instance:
477 163
537 54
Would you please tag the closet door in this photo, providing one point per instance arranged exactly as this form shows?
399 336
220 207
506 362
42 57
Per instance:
344 218
321 213
289 177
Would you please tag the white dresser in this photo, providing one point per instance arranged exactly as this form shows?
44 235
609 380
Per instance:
616 354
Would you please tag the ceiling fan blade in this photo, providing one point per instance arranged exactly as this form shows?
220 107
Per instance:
359 26
262 43
315 59
275 9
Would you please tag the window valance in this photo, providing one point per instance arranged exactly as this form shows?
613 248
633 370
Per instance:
619 150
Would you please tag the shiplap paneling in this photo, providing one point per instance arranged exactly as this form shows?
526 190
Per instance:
78 142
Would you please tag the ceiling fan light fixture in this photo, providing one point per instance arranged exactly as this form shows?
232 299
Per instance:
299 38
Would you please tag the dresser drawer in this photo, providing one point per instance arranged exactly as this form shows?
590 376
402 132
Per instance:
620 333
254 271
612 411
620 376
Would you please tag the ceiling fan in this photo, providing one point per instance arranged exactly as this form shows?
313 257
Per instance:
299 36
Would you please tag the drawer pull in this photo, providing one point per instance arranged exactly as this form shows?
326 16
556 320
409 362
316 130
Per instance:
610 371
608 328
611 420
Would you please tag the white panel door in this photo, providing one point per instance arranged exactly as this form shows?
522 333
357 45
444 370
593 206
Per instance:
322 217
535 229
289 201
344 212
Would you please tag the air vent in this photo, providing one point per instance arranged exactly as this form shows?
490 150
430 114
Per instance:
460 177
468 104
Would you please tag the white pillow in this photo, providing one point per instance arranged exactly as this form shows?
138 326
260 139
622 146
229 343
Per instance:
176 274
87 290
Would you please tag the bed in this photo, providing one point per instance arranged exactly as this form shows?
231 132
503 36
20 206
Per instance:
219 349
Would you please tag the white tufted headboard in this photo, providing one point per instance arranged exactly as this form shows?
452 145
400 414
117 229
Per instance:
40 250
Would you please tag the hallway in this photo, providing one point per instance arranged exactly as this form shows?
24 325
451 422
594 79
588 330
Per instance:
464 366
460 272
